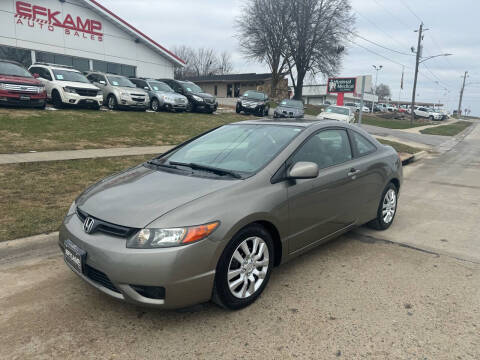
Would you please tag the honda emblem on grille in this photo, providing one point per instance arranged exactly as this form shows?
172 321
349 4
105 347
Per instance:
88 225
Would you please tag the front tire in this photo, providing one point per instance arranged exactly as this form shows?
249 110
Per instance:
386 209
189 107
112 102
238 109
244 268
155 105
57 99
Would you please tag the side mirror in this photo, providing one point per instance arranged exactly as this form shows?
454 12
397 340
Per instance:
102 82
146 88
36 76
303 170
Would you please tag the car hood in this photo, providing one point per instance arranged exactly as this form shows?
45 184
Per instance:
138 196
333 116
170 94
203 95
19 80
130 90
79 85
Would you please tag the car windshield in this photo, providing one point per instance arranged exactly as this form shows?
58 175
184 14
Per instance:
120 81
69 75
292 104
255 95
191 87
7 68
337 110
160 86
240 148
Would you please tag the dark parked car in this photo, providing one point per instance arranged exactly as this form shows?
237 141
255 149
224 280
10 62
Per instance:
289 109
212 217
19 88
253 102
198 100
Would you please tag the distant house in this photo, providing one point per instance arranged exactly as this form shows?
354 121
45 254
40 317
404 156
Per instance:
234 85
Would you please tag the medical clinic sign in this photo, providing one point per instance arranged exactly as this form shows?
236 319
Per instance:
40 17
340 86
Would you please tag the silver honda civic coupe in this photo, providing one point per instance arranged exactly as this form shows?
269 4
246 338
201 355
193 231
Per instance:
212 217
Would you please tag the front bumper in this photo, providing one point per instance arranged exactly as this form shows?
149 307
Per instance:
203 106
185 273
175 105
130 103
76 99
27 100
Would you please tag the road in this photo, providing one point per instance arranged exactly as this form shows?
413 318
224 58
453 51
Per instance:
412 292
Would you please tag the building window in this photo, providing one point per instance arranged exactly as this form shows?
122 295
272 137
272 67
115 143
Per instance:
81 64
100 66
113 68
128 70
14 54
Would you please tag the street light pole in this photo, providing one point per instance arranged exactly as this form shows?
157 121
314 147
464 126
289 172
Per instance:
417 63
377 69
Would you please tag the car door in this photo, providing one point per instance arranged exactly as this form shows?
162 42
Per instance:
321 207
46 79
369 179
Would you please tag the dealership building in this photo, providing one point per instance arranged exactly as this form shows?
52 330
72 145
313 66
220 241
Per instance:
82 34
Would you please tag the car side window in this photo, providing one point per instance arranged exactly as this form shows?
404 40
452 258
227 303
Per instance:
362 144
326 148
47 74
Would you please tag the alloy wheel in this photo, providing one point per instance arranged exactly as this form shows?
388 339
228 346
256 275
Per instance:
248 267
389 206
155 105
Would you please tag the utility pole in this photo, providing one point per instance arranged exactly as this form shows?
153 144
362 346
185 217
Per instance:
417 63
461 94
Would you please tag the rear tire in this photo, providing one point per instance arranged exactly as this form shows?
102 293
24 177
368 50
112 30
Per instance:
244 268
387 209
238 109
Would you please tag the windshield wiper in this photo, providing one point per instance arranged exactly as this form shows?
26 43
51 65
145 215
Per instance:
156 163
212 169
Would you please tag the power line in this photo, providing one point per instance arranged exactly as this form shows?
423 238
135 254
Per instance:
391 14
374 52
411 11
383 47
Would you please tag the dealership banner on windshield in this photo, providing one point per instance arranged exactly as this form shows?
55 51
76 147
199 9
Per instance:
341 85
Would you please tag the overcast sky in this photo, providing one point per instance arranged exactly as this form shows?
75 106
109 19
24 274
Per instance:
453 28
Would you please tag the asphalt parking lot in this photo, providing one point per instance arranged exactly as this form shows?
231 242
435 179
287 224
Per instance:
353 298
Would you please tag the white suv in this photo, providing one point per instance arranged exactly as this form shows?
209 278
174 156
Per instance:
65 85
428 113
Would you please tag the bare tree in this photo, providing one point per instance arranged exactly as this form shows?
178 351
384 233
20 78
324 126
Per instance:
225 65
261 31
315 37
383 91
201 62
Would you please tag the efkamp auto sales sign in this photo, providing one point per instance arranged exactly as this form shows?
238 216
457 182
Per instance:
40 18
341 85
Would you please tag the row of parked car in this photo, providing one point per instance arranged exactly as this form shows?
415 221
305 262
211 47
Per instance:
64 85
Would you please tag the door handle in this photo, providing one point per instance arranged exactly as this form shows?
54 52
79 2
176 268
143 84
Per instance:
353 172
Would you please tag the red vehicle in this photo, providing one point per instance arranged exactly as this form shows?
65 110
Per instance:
19 88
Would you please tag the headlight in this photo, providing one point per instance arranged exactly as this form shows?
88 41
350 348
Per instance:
161 238
40 89
2 86
124 95
197 98
69 89
166 98
72 209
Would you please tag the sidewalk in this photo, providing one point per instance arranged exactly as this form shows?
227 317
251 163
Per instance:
80 154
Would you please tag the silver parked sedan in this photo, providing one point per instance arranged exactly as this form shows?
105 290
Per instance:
212 217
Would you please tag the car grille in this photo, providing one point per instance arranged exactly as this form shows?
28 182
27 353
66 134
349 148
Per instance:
86 92
108 228
22 88
99 277
138 99
249 104
209 100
